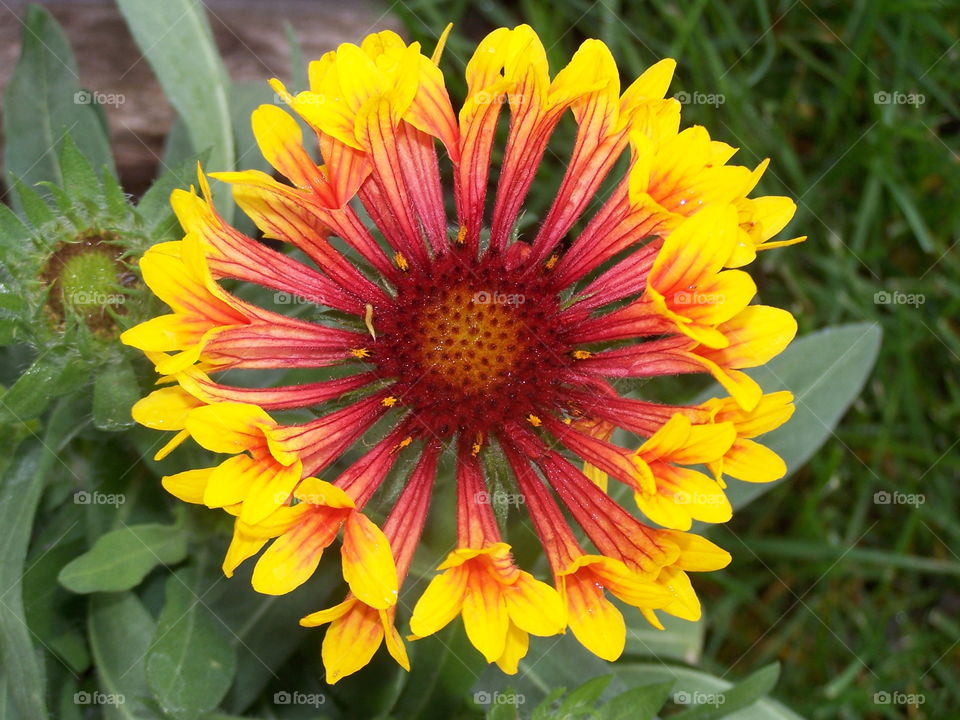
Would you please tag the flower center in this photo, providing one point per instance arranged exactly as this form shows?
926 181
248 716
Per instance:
470 345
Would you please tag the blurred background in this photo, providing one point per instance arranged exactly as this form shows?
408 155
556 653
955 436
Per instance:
848 573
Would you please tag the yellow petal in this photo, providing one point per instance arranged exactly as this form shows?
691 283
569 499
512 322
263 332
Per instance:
351 642
485 616
516 646
697 554
368 565
686 605
750 461
440 603
188 486
243 545
534 606
594 620
230 481
322 617
228 427
270 487
165 409
293 557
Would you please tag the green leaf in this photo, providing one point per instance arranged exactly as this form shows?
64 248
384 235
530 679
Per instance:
639 703
265 631
43 102
34 207
825 371
23 480
121 559
584 697
79 178
191 662
743 701
115 390
192 75
154 206
15 238
22 487
120 630
52 374
741 695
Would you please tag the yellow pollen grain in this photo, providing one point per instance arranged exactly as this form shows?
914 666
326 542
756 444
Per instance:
401 261
534 420
389 401
360 353
368 321
582 354
552 261
462 235
477 445
403 443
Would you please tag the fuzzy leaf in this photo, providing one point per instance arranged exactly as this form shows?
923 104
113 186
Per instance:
120 559
43 102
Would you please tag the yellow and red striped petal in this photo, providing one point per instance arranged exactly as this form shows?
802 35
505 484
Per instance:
485 616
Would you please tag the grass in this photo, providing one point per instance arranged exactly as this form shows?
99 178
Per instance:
855 103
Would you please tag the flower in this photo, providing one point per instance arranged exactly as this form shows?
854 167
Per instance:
440 333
